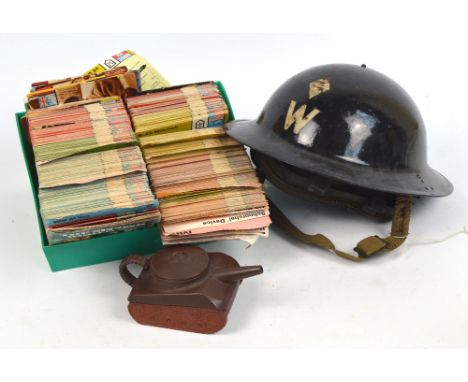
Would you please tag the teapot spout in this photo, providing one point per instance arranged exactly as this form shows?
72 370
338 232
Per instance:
232 275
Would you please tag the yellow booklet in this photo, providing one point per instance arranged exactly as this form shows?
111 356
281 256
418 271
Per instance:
150 77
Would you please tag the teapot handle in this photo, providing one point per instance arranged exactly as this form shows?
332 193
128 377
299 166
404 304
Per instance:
131 259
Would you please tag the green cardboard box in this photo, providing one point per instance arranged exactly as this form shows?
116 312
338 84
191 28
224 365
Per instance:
96 250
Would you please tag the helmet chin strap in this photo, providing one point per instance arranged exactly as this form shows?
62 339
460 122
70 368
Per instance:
366 247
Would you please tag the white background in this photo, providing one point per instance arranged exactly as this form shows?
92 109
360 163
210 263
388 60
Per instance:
416 297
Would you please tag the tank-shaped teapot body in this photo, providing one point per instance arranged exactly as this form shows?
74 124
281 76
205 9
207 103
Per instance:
184 287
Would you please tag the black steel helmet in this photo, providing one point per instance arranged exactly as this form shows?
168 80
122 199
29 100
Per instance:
345 134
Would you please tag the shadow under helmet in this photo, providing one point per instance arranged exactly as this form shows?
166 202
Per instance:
346 135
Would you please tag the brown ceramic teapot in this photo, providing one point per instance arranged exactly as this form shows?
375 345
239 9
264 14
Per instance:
184 287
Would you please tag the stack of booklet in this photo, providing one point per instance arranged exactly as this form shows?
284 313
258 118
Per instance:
123 74
116 82
206 187
178 108
92 176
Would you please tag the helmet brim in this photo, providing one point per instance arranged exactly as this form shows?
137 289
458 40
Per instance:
421 182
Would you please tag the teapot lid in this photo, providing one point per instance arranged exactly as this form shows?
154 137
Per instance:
181 263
